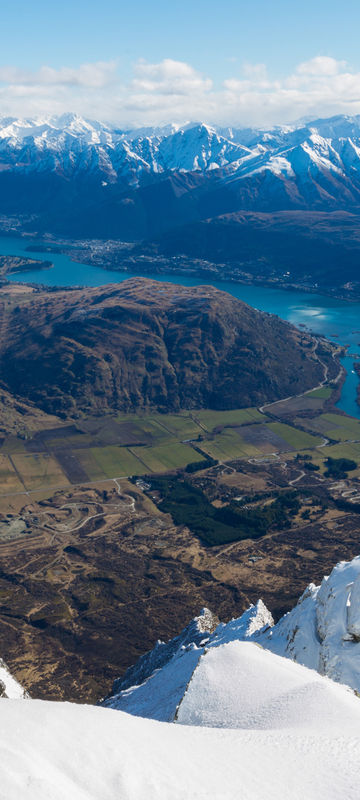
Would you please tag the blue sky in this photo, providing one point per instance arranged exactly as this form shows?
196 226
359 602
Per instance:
43 45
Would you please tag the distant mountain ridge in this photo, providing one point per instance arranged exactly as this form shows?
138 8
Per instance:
85 178
69 143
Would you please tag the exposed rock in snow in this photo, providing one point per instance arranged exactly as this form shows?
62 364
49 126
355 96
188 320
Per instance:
160 655
254 619
155 686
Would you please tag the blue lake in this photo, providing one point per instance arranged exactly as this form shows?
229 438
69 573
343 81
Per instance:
337 319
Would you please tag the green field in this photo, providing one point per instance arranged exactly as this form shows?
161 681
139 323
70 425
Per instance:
343 450
117 462
90 465
298 440
166 457
228 445
153 426
183 427
240 416
336 426
322 393
135 444
341 427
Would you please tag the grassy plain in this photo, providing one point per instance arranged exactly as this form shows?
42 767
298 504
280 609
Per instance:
336 426
39 470
133 444
297 440
9 481
240 416
116 461
324 393
229 444
165 457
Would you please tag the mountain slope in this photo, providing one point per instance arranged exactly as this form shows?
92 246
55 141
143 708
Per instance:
322 633
83 178
145 344
156 685
323 630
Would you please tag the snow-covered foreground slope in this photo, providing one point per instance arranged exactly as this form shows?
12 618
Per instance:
280 730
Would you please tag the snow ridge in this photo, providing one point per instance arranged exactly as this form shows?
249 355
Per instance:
322 633
70 145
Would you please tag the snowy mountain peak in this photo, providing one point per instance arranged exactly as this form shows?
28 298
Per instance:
322 632
193 147
198 630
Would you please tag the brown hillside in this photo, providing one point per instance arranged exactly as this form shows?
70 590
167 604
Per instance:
149 345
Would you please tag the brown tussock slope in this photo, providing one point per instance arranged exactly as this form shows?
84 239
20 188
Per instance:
149 345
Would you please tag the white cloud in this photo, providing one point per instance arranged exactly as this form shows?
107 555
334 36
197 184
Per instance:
169 77
175 91
321 65
94 75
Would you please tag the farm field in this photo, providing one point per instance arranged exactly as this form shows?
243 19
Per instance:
159 428
241 416
324 393
100 448
229 444
9 481
116 462
166 457
335 426
183 427
39 470
296 439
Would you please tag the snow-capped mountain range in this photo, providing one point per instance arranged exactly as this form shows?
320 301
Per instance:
322 632
70 144
84 179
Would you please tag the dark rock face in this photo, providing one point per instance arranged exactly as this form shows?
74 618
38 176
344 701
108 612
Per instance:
150 345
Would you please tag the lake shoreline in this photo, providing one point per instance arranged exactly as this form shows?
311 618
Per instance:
325 315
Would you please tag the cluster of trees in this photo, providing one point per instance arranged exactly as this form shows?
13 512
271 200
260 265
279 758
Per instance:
311 467
339 467
205 463
189 506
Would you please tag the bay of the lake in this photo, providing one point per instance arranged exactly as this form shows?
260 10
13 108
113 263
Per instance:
339 320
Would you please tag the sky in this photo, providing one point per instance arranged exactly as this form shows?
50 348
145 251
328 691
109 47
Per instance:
148 63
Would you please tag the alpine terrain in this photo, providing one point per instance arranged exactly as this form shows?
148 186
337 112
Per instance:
222 711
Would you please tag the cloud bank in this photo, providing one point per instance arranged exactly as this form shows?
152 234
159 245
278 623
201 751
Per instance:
175 91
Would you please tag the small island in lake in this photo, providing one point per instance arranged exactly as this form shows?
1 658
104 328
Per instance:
11 264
